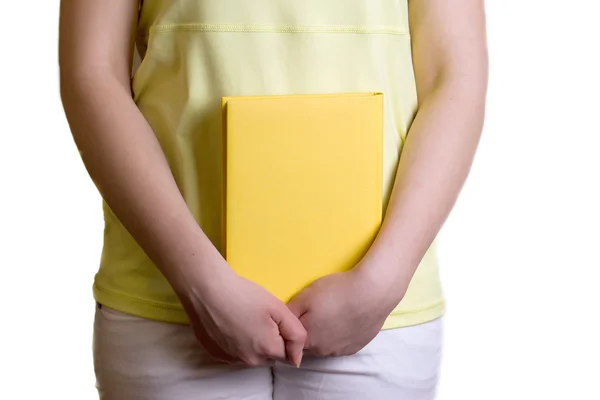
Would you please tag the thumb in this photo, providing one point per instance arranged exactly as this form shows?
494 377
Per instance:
292 332
296 306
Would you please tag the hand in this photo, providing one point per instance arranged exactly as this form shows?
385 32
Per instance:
237 320
343 312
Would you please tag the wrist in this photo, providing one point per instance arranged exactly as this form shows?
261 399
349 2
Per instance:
199 275
385 277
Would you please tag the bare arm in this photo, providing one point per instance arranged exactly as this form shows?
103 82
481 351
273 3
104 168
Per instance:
233 319
118 147
450 61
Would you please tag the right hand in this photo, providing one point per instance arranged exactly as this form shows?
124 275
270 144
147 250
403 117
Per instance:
235 320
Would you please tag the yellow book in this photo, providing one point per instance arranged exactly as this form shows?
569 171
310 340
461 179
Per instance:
302 185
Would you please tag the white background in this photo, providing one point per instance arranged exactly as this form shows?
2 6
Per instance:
520 260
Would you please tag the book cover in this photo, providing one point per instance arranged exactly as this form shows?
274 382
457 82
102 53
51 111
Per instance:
302 185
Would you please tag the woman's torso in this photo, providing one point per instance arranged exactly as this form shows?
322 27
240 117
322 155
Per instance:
194 52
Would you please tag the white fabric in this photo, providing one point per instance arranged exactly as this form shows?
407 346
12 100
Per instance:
140 359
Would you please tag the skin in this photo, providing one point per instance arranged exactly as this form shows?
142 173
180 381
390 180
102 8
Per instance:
234 319
344 312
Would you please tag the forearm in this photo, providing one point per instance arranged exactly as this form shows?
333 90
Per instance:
126 162
434 164
450 61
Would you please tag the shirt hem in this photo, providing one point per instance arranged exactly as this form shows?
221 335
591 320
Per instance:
175 314
403 318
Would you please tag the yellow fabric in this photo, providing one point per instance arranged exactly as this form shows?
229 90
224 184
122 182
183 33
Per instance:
196 52
302 186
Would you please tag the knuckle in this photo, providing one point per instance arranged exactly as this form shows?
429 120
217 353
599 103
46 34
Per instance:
301 335
271 350
298 334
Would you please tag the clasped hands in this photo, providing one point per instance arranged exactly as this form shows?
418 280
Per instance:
236 320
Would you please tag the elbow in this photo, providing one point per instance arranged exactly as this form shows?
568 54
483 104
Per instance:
74 95
72 83
85 89
83 81
466 86
468 79
67 87
69 93
463 77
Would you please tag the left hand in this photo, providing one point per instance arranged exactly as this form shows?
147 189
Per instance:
343 312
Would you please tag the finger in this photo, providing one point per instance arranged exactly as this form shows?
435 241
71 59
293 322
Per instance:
307 341
274 349
293 333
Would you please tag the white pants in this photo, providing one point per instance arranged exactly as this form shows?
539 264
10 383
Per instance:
140 359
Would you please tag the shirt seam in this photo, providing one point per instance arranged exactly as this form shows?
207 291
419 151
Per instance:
289 29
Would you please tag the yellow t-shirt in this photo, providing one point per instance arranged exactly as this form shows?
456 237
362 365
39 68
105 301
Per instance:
195 52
